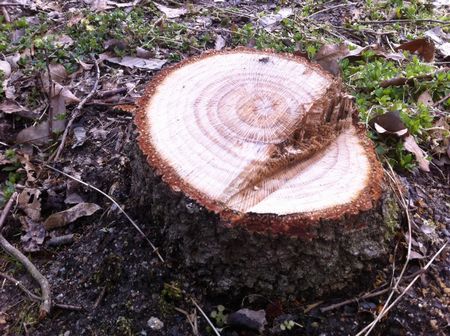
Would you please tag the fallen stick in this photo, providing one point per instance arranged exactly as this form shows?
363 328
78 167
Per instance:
46 303
34 297
77 111
370 326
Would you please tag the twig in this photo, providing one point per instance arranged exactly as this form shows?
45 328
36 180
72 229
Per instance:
155 250
330 8
100 297
61 240
206 317
386 310
46 303
34 297
6 4
366 295
50 94
6 210
441 100
77 111
6 14
403 21
109 93
192 319
405 206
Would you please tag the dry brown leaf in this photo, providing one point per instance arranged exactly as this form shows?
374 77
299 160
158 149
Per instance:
422 47
30 169
29 201
9 106
356 54
329 56
440 139
426 99
411 145
441 40
143 53
58 73
171 13
134 62
63 41
34 234
98 5
68 216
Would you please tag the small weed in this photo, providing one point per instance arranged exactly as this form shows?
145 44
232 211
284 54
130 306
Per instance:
124 326
219 317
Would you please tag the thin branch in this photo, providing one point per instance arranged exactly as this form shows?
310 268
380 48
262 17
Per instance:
6 210
440 101
46 303
192 319
206 317
386 310
155 250
405 206
34 297
366 295
77 111
403 21
50 94
330 8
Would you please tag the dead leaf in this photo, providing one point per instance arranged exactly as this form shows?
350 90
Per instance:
5 68
415 255
98 5
34 235
270 20
329 56
220 42
9 106
63 41
115 44
80 136
134 62
171 13
426 99
143 53
440 139
377 50
38 135
441 40
30 168
29 201
410 145
423 47
68 216
58 73
13 59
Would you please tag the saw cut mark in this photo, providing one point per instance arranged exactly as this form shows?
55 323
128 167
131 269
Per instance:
265 137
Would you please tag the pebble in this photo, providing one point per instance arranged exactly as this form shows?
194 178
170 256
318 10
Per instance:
155 323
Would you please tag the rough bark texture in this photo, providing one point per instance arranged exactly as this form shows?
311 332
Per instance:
234 261
254 168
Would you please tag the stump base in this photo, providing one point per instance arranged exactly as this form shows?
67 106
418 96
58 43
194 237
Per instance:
234 261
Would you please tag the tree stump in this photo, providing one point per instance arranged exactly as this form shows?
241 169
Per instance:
254 168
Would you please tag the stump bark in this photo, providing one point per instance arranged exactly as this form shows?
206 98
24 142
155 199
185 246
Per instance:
252 165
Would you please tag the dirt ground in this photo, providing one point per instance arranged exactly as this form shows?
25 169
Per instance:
111 272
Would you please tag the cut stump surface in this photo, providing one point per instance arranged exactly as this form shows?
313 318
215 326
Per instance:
270 165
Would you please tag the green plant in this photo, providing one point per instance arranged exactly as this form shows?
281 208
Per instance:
219 317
